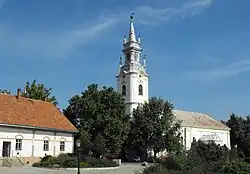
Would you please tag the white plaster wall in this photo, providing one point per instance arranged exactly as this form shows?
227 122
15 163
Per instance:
37 139
10 134
132 82
197 133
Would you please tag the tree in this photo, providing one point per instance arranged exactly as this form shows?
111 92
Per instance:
38 92
102 115
240 133
5 91
154 127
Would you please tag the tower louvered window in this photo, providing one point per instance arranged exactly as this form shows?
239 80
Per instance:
140 90
123 89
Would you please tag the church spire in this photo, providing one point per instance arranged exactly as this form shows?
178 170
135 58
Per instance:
132 36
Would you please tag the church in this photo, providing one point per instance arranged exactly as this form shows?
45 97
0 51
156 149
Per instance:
132 83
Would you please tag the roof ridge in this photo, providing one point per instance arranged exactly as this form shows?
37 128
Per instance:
192 111
196 116
26 98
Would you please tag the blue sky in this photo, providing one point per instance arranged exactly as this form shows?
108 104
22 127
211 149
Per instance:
197 50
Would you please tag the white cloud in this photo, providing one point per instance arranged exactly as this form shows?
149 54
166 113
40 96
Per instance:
231 69
59 44
56 44
153 16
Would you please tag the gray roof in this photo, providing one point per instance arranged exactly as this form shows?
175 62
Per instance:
199 120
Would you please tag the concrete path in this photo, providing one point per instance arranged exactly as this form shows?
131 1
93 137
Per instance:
126 168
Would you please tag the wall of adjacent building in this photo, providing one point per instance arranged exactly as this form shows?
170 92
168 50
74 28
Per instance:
33 142
197 133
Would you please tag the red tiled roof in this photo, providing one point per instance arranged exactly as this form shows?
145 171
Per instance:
34 113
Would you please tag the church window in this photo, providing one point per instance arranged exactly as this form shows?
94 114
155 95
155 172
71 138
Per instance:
62 145
140 90
123 89
46 145
128 57
18 144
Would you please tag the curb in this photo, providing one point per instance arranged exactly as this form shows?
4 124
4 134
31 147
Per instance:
86 169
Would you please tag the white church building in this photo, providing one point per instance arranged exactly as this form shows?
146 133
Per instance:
132 82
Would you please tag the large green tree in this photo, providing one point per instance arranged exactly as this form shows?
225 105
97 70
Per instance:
154 126
240 133
38 91
101 113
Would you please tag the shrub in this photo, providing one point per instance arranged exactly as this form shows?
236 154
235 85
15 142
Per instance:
46 158
70 161
38 164
84 165
97 162
237 166
65 159
178 162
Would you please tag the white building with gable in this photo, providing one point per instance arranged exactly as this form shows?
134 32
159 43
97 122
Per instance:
132 82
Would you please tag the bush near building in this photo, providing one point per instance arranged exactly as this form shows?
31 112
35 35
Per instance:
70 161
201 159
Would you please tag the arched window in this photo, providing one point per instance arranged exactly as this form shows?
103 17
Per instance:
123 89
140 90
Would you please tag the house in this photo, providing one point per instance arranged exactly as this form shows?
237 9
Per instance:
32 128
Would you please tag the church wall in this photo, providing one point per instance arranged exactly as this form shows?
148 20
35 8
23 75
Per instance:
197 133
33 142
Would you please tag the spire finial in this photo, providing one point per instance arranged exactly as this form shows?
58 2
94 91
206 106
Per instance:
131 15
139 38
144 61
120 63
132 37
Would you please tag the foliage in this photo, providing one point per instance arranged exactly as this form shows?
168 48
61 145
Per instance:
237 166
68 161
4 91
201 158
102 117
38 92
240 133
35 91
154 127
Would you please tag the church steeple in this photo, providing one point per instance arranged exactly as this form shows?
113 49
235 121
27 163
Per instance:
132 36
132 78
131 45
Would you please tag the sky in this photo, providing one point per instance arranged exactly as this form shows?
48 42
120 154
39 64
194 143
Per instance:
197 51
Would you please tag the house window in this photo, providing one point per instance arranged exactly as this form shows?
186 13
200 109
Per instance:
123 89
18 144
62 145
140 90
46 145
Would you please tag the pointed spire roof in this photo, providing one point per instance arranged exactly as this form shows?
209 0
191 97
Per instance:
132 36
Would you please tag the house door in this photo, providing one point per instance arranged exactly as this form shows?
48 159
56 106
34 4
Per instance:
6 149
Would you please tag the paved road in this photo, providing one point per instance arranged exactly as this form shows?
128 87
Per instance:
126 168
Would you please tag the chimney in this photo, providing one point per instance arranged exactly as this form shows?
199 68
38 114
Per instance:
18 94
